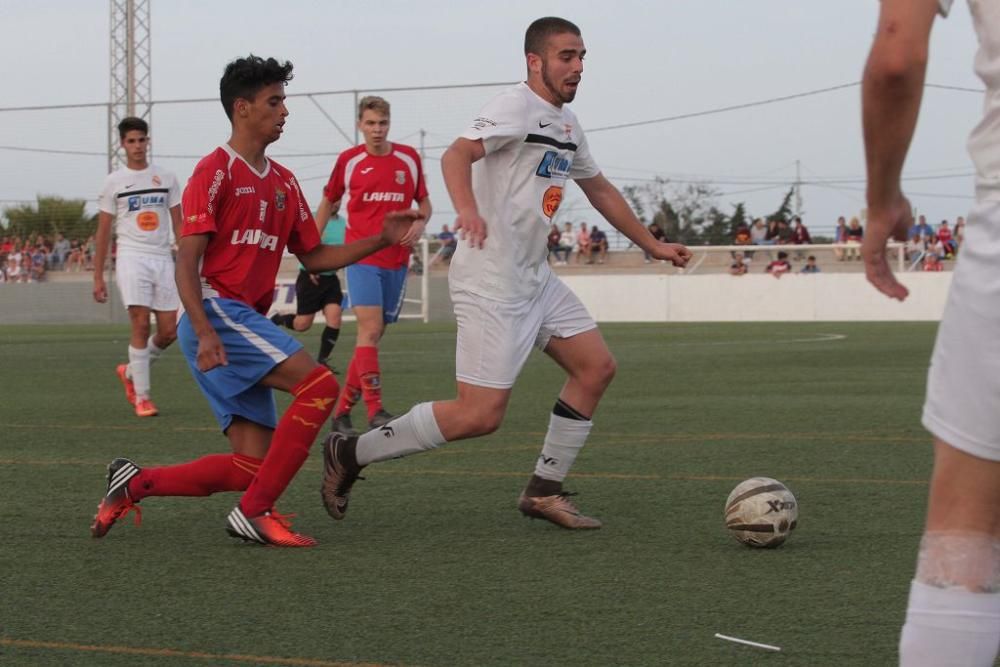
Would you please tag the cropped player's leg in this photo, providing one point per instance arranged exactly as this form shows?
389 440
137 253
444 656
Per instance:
476 411
314 390
333 314
370 329
166 333
138 360
953 616
591 368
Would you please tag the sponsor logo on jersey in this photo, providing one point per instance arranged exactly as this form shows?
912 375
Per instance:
383 196
156 180
400 177
553 165
279 199
148 221
551 200
246 190
214 190
254 237
139 202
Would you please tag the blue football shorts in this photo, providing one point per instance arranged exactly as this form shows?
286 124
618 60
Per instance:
374 286
254 346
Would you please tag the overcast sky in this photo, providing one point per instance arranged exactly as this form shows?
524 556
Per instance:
646 60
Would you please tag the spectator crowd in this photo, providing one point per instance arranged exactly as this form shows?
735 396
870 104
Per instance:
28 260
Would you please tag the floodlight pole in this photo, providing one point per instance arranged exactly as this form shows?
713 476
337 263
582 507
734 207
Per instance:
131 70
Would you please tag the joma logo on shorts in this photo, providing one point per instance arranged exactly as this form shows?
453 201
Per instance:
254 237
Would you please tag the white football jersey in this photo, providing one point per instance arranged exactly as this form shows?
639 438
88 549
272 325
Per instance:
984 142
532 148
141 203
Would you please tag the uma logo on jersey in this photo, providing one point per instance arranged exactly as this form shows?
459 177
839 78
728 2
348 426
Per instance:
553 166
384 196
139 202
254 237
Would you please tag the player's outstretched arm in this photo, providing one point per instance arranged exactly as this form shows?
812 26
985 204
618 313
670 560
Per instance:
612 205
187 274
891 92
101 244
456 166
330 257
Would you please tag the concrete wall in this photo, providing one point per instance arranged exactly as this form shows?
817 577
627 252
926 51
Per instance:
623 297
760 297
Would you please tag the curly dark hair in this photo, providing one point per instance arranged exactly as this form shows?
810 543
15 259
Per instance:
132 123
244 78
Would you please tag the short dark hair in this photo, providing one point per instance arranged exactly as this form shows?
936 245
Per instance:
244 78
782 254
132 123
542 29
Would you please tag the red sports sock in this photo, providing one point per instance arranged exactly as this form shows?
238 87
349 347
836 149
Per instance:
290 444
351 393
201 477
371 378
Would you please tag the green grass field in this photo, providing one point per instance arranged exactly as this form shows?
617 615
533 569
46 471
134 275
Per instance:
434 566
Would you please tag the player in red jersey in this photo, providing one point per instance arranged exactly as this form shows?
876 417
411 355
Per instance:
378 177
241 210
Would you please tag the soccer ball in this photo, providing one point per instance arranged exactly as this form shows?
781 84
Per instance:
761 512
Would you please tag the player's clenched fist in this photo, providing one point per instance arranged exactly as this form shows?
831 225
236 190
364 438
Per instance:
397 223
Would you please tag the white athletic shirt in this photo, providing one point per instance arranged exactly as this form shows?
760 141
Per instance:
532 147
984 142
141 203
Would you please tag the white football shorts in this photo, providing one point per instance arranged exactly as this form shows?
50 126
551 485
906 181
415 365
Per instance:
963 384
496 337
147 280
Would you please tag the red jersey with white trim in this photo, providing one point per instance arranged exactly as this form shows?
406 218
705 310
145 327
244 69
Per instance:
376 185
251 217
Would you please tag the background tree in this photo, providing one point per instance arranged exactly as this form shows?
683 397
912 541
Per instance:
50 216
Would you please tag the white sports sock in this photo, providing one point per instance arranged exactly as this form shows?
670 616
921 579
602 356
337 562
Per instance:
416 431
563 441
154 351
138 363
948 627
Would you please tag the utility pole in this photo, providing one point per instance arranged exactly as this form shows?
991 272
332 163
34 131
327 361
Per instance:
798 190
131 70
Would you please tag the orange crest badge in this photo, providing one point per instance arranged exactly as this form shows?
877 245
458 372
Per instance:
551 200
148 221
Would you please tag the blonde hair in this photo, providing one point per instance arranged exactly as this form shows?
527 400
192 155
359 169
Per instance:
374 103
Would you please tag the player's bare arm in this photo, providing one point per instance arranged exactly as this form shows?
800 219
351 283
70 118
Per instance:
891 92
331 257
176 221
187 273
612 205
456 166
101 245
417 229
327 209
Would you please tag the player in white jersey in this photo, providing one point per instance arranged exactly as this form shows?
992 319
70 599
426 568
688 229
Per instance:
953 615
525 144
144 201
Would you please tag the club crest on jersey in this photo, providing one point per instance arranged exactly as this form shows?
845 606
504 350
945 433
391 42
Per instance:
551 200
156 180
279 199
569 130
400 177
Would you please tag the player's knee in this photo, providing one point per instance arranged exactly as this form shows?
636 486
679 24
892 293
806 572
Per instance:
483 420
301 325
167 335
599 374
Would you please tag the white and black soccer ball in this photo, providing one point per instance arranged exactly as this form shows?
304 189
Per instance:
761 512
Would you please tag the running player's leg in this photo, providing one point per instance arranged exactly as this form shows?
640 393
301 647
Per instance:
365 295
138 359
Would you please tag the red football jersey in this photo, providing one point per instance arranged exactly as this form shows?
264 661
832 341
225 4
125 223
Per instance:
250 217
376 185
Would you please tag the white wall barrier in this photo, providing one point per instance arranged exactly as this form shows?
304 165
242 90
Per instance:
756 298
